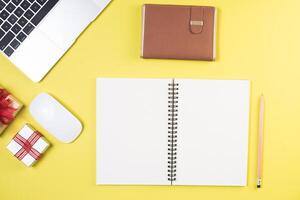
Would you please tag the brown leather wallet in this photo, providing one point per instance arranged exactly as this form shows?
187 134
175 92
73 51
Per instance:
179 32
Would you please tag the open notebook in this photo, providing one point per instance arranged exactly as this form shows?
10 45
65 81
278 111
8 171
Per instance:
172 132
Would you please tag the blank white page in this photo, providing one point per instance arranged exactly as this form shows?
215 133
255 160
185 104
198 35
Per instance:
132 131
213 117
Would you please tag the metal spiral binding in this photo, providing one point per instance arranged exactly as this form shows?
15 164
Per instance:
172 130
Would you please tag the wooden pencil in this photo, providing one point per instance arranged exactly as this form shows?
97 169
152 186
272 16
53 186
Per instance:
260 141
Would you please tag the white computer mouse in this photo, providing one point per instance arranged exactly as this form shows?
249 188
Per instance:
55 118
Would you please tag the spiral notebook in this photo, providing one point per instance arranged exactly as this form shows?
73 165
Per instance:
172 132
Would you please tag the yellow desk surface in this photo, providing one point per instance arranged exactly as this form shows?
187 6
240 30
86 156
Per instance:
257 40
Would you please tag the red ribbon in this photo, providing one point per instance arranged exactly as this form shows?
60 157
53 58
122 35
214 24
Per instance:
27 146
6 109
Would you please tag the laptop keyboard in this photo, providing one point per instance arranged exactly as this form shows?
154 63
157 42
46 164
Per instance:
18 18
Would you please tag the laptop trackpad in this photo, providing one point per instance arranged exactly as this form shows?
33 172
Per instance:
67 20
36 56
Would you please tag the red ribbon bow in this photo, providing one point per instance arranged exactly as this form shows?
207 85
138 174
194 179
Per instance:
6 110
27 146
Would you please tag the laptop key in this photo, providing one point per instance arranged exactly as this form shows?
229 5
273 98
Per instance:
16 29
35 7
25 4
22 21
41 2
19 12
4 14
6 26
12 19
10 7
6 40
16 2
28 28
21 37
8 51
2 5
28 14
15 44
43 11
1 33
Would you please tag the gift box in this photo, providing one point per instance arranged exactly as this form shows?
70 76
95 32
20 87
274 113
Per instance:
28 145
9 108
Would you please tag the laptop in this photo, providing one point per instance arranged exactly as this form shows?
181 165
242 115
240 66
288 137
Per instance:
35 34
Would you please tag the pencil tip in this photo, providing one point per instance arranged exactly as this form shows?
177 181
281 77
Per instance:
258 186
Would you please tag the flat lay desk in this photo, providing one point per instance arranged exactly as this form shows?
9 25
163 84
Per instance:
256 40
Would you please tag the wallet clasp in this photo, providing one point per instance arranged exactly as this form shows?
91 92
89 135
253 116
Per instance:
196 19
196 23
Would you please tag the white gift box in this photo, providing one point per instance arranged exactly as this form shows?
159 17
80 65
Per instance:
28 145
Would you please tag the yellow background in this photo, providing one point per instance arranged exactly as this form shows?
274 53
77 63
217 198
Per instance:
257 40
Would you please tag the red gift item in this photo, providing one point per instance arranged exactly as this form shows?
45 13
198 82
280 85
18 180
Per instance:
9 108
7 111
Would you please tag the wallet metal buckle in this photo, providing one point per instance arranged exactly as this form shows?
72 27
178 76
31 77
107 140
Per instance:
196 23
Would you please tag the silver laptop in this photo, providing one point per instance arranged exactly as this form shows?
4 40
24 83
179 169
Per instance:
34 34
